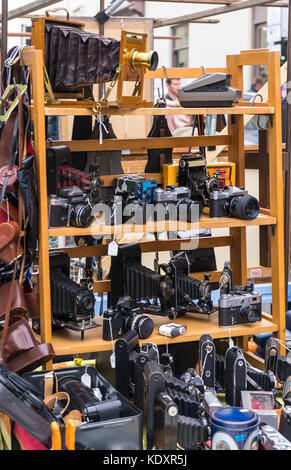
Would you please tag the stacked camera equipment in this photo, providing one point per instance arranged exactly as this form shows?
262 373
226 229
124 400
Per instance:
175 289
237 304
229 201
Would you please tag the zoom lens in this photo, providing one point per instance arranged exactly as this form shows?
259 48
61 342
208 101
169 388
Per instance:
244 207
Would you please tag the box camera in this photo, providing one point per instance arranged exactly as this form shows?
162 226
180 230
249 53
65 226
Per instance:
194 175
233 202
71 207
127 316
142 188
178 204
72 304
237 304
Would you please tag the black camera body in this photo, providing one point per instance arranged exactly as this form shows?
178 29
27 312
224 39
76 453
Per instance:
237 305
194 175
70 208
72 304
127 316
233 202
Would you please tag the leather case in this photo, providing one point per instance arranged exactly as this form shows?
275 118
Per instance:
22 351
18 305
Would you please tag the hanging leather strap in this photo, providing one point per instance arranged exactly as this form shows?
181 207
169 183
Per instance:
6 141
20 217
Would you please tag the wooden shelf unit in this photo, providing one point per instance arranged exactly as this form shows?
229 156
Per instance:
68 342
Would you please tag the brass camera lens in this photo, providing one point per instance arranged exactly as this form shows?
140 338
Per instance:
148 60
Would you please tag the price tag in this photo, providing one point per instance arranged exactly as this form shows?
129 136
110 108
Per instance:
112 360
86 380
113 248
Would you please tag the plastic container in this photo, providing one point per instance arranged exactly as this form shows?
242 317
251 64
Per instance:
123 433
234 429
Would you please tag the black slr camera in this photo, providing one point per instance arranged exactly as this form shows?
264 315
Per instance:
177 203
237 304
126 316
233 202
71 207
72 304
194 175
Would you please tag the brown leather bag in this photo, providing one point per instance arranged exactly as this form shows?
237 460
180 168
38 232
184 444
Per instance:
18 303
22 352
9 235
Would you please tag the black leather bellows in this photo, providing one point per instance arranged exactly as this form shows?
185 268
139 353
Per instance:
75 58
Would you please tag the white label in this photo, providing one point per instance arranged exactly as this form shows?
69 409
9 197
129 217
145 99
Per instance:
112 360
86 380
125 152
113 249
256 272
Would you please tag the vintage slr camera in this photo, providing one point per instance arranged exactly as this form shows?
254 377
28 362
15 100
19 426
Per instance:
126 316
237 304
233 202
194 175
71 207
72 304
174 198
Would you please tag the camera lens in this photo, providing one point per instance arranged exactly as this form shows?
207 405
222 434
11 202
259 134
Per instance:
191 212
81 216
244 207
85 303
248 314
142 324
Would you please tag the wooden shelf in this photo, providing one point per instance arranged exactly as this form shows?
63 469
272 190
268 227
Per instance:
64 110
68 342
205 222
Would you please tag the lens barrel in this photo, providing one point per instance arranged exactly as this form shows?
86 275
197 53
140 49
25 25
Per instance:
244 207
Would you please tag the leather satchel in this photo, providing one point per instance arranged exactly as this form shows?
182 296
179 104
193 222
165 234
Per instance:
18 303
9 235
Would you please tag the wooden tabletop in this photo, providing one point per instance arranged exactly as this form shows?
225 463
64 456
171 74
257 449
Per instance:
205 222
68 342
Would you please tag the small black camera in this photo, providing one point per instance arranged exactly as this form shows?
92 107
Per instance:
70 208
237 304
126 316
233 202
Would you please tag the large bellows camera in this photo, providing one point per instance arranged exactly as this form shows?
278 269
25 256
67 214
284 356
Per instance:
233 202
237 304
194 175
126 316
173 293
70 208
72 304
